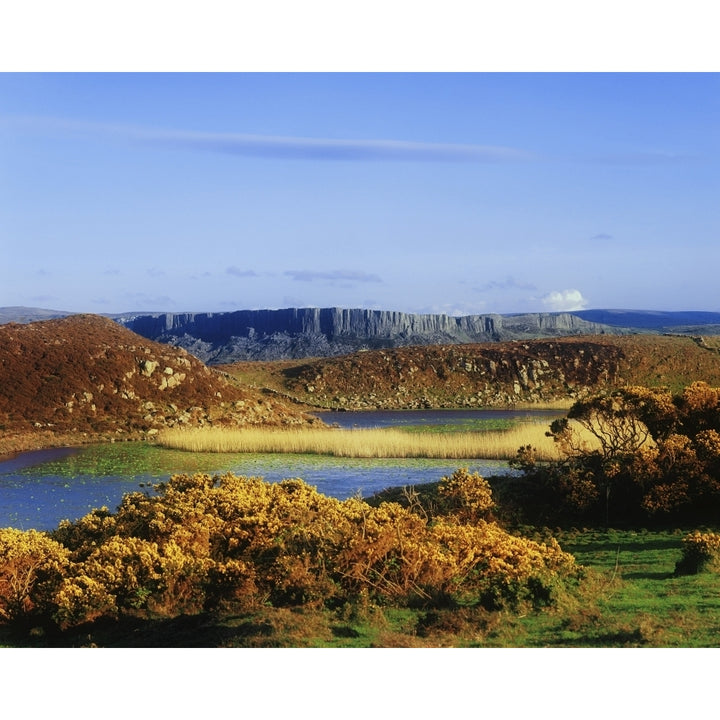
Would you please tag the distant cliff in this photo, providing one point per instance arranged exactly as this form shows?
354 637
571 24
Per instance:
324 332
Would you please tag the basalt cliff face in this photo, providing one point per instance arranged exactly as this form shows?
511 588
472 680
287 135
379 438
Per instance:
323 332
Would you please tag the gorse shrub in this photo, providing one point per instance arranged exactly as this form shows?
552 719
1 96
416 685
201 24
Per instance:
700 551
205 542
32 567
467 496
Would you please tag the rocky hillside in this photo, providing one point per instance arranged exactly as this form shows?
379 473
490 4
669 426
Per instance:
490 374
87 374
313 332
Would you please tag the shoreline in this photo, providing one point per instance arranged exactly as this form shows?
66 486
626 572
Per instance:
13 445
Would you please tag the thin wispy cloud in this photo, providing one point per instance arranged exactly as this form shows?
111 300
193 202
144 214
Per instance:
458 309
239 272
602 236
640 158
333 276
143 301
286 147
303 148
508 283
43 298
293 301
312 148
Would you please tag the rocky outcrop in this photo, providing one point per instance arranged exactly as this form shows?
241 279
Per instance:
556 370
490 375
323 332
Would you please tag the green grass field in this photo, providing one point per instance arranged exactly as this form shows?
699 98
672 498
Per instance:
633 598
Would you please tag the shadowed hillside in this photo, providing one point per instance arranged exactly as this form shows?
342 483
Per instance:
87 374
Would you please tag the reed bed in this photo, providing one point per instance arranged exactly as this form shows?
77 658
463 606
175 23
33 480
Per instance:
364 443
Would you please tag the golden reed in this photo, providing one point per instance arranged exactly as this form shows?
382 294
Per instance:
364 443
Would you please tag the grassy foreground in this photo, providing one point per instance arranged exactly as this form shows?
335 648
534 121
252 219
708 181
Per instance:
364 443
634 598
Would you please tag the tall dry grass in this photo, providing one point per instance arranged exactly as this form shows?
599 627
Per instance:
364 443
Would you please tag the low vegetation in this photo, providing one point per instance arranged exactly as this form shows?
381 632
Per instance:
633 596
700 552
236 562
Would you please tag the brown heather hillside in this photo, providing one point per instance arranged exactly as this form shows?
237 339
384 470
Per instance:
85 376
486 375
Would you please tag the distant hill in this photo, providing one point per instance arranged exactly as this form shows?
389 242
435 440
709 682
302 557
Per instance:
652 319
19 314
88 374
86 377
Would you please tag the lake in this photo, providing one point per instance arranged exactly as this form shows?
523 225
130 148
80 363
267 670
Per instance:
456 420
38 489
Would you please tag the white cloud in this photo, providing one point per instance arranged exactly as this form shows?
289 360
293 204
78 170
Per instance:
564 301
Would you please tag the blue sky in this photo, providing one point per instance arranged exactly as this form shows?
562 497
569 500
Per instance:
445 192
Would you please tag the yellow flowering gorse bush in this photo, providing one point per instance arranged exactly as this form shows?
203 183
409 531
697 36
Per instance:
700 551
203 542
31 569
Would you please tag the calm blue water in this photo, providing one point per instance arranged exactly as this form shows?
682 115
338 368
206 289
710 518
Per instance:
35 494
39 489
419 418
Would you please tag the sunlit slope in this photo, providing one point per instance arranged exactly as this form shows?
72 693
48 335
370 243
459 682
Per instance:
555 372
87 374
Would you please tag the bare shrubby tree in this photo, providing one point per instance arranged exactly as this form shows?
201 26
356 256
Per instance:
636 451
